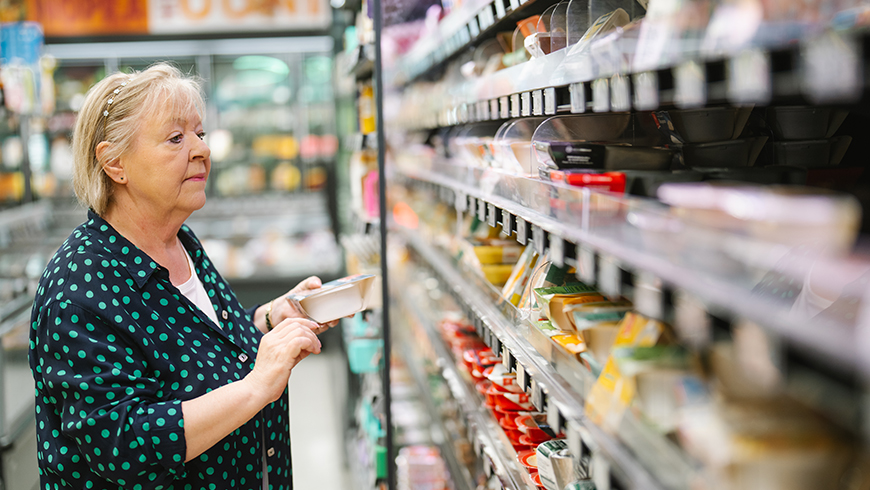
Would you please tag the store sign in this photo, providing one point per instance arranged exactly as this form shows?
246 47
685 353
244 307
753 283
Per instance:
199 16
63 18
94 17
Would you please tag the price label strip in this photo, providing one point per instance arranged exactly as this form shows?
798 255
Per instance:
577 92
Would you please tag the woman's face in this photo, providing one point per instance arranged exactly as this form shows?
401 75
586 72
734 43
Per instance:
168 165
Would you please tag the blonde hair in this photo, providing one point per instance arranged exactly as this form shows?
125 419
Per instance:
162 89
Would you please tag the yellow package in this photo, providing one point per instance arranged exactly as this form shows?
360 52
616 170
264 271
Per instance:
497 274
612 393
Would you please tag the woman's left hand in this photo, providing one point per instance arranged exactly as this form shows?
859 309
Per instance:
282 308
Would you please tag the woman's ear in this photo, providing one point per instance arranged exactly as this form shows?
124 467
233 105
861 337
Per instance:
112 167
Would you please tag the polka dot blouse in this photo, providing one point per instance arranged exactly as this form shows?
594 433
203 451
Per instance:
115 348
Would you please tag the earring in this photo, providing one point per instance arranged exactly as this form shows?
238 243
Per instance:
122 178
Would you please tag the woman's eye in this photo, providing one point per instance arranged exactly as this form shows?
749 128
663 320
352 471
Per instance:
176 138
201 135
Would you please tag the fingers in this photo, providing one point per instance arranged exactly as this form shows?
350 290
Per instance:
312 282
289 324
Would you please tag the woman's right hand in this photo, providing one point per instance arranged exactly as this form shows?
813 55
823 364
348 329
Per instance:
280 350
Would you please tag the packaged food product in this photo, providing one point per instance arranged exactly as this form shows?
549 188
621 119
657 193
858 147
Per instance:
513 402
794 216
504 379
572 343
600 156
612 392
555 464
587 315
599 339
338 299
604 182
528 459
543 295
554 300
497 274
519 278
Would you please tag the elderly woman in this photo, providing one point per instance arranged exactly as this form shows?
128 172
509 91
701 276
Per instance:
149 373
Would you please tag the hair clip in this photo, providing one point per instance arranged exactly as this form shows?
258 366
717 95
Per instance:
112 97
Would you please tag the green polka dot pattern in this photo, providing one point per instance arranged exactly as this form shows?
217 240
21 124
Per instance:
115 349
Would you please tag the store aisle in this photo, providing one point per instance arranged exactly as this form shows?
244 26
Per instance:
316 399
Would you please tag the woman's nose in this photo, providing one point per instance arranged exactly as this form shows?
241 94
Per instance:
200 149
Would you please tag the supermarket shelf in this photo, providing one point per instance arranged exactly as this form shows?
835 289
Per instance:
615 248
488 437
459 474
361 63
549 390
795 73
469 25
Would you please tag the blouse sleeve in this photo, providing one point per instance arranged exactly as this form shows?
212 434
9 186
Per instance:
97 377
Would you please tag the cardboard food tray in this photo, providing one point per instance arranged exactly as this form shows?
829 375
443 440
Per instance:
337 299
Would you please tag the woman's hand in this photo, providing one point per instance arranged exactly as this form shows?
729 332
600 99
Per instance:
279 352
283 309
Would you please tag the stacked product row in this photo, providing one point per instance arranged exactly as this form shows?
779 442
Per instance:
712 415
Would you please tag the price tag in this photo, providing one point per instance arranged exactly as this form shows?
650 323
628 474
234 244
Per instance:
481 210
507 222
749 78
504 107
601 95
759 353
522 231
538 396
473 28
482 18
691 320
515 4
475 443
506 358
460 202
575 443
550 101
479 327
557 250
620 93
690 82
554 418
539 239
537 102
522 378
491 216
646 91
648 297
515 105
585 264
499 8
610 277
578 97
488 467
484 110
493 109
832 68
600 469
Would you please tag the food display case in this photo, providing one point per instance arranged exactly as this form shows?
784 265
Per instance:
642 224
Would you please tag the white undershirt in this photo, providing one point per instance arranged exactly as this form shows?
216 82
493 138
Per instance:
195 292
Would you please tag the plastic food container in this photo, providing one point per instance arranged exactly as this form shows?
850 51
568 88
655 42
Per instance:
815 153
709 124
737 153
338 299
805 123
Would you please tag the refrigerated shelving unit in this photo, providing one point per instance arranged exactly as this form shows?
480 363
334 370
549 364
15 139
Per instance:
676 277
